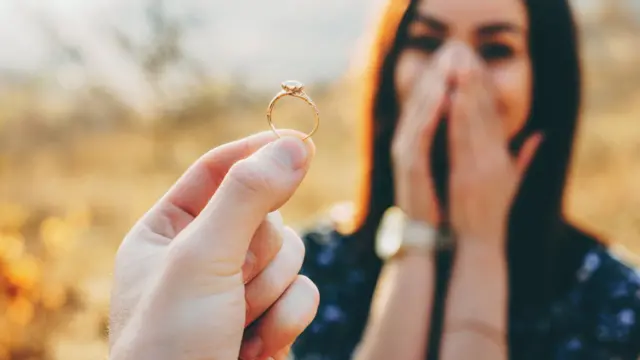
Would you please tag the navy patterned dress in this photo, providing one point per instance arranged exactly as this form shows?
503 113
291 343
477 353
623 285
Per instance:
598 320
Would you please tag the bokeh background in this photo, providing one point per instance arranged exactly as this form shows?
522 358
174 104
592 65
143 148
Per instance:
104 103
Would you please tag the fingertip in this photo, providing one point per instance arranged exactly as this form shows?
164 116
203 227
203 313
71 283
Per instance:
295 152
289 136
312 290
276 277
290 315
468 68
464 76
308 144
302 300
528 152
535 140
540 136
283 322
296 241
304 137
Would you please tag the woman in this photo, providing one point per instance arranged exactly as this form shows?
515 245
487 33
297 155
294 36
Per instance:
471 115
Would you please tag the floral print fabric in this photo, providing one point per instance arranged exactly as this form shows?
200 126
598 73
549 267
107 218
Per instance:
599 319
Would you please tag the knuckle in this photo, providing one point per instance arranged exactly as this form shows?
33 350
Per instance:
291 255
185 261
276 237
297 245
250 176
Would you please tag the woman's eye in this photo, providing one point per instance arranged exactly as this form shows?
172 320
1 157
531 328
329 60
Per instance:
492 52
428 44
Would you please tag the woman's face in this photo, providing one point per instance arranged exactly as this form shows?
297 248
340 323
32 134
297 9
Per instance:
495 30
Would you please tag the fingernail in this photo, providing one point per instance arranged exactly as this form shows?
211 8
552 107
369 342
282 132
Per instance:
251 349
291 151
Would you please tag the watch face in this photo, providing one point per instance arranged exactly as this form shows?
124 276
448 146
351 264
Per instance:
389 236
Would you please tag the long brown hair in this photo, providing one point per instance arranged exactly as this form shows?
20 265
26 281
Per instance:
543 251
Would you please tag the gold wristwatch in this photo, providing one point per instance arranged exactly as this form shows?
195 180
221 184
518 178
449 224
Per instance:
398 234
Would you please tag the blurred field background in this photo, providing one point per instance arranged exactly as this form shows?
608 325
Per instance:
103 104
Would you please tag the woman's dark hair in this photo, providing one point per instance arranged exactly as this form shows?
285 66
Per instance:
543 251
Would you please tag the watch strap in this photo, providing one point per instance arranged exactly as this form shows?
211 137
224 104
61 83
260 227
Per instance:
418 235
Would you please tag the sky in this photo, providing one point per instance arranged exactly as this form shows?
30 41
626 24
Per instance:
275 40
310 40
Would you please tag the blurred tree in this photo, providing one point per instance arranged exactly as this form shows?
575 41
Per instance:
170 72
161 55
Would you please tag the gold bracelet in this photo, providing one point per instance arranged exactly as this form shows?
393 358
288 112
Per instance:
478 327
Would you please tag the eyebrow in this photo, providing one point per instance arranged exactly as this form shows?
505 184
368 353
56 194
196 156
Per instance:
484 30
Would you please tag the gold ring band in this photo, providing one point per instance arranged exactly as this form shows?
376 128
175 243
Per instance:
295 89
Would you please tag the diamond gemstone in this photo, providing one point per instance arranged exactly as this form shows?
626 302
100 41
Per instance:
292 86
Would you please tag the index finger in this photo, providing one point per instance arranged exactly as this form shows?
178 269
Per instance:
428 92
191 193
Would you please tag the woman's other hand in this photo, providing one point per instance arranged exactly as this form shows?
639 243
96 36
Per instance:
411 149
484 176
211 272
400 313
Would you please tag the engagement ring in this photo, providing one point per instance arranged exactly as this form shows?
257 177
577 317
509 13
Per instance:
295 89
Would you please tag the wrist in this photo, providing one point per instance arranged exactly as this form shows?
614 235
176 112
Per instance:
490 259
408 261
477 248
492 237
477 263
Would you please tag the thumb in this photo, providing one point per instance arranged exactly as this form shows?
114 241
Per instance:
252 188
528 152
